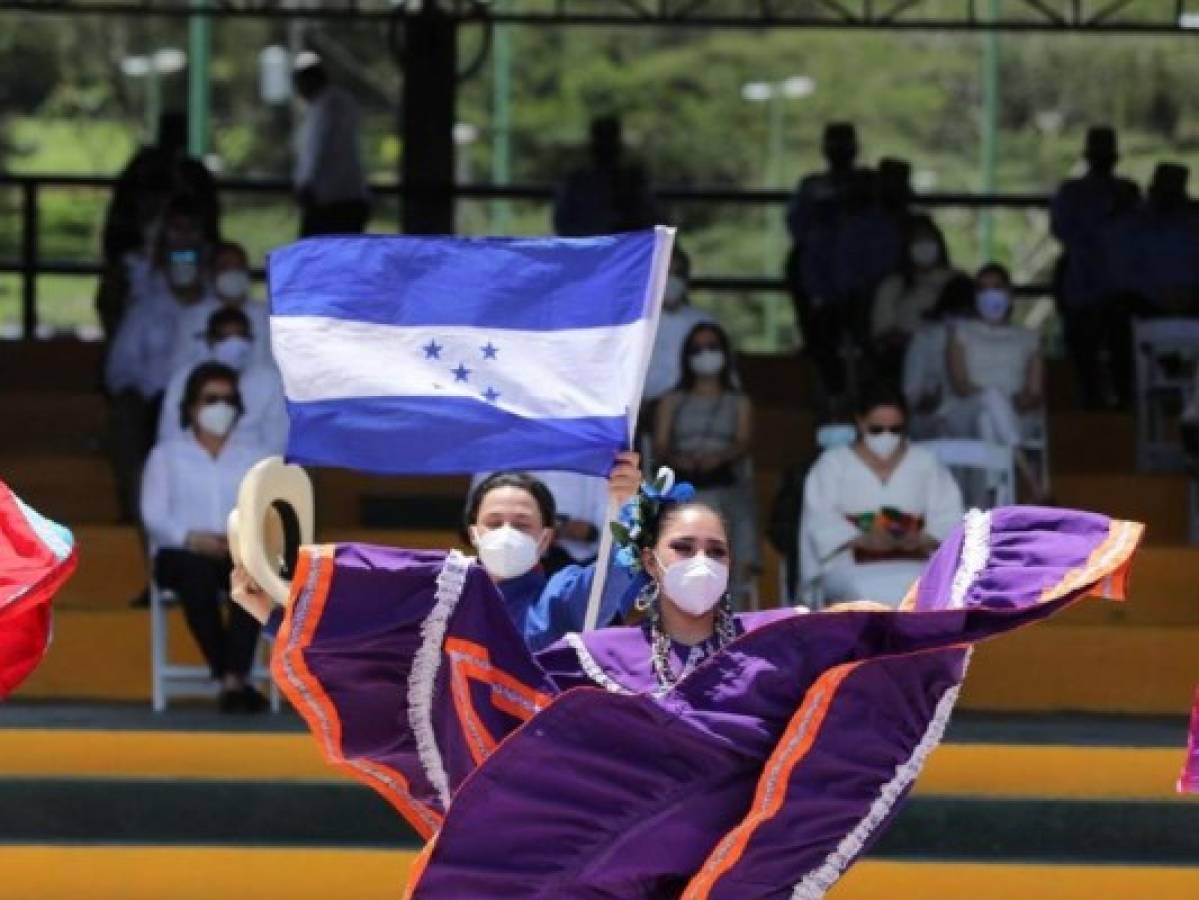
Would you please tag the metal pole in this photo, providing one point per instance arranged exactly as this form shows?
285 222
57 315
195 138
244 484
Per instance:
990 132
29 261
199 39
501 127
153 103
771 254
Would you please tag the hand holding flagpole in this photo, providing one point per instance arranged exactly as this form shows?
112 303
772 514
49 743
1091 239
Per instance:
622 484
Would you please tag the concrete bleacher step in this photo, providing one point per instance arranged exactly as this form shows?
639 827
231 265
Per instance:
52 422
1160 501
104 803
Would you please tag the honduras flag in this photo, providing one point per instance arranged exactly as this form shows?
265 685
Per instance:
423 355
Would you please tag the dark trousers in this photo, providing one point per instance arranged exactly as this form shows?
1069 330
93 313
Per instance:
200 582
347 217
1091 329
133 424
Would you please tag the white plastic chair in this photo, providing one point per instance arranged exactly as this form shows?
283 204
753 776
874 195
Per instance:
994 460
1153 340
170 679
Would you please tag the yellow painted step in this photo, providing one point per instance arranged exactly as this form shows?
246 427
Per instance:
992 770
200 873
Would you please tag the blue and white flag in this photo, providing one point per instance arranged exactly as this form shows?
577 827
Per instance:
457 355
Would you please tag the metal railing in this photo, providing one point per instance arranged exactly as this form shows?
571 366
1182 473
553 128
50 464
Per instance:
30 264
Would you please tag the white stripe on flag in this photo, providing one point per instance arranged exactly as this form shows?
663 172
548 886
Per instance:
555 374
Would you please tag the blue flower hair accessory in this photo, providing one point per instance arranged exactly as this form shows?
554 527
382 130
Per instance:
636 526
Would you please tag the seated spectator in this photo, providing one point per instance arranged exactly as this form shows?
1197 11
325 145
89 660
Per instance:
925 373
189 488
703 430
875 510
228 340
581 513
231 289
903 298
996 372
608 196
138 365
677 319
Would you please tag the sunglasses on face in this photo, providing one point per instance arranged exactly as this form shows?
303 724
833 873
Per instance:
209 399
884 429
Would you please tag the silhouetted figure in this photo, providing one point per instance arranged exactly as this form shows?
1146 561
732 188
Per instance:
329 181
611 194
1084 212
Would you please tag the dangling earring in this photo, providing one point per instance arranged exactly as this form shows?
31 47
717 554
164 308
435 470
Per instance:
647 597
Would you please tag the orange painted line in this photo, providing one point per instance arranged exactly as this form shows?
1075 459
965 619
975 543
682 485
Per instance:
777 772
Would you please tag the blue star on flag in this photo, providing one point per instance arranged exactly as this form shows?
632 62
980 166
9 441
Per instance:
490 350
462 373
432 350
491 394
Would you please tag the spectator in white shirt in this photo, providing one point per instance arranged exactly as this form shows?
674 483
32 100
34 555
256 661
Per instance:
925 369
231 289
228 340
188 490
138 365
329 180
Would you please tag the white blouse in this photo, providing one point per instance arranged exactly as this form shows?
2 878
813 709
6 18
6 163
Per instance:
840 484
184 489
264 422
996 356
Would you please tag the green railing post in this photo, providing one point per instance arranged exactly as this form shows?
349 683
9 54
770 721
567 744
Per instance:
990 132
199 92
501 124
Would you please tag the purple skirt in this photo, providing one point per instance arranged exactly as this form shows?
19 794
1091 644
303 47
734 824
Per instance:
764 773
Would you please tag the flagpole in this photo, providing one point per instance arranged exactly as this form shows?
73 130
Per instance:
657 287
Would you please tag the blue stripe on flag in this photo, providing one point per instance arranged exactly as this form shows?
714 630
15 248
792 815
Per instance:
541 284
448 436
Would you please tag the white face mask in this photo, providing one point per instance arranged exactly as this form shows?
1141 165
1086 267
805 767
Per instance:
925 253
707 362
505 552
695 584
993 305
884 444
233 351
216 418
232 284
676 289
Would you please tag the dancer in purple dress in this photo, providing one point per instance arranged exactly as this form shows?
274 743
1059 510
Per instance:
699 754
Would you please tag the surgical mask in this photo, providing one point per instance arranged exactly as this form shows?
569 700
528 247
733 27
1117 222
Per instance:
233 351
506 552
695 584
925 253
993 304
232 284
183 268
884 444
676 289
707 362
217 418
830 436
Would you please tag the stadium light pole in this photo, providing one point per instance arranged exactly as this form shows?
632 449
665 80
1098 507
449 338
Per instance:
775 94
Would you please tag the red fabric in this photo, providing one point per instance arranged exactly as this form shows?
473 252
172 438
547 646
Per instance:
30 573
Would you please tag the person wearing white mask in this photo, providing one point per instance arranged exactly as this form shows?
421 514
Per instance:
677 319
188 489
874 510
703 430
510 521
996 373
228 339
230 290
903 298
